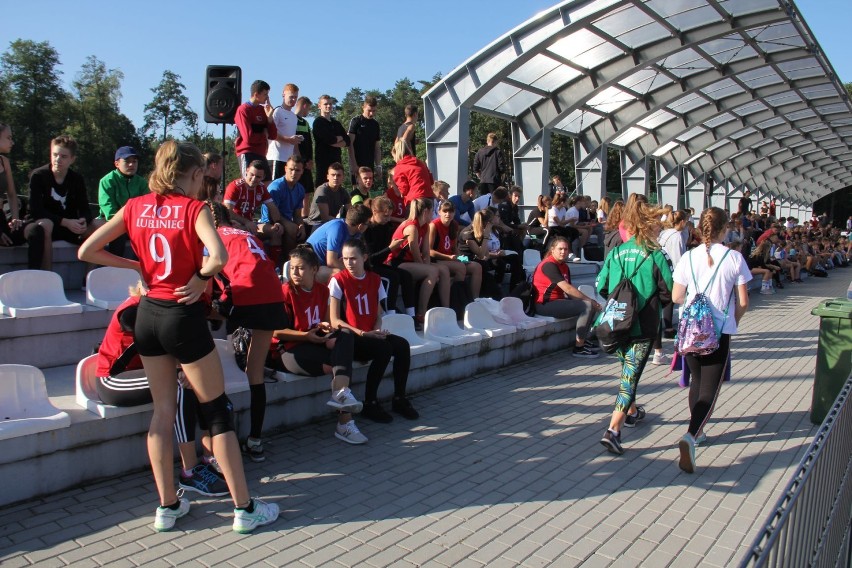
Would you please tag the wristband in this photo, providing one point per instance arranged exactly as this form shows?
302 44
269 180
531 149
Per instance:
201 276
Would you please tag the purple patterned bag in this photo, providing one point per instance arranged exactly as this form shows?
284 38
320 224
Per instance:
697 333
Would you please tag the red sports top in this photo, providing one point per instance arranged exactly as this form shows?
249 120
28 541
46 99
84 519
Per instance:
250 272
399 209
443 243
162 232
404 250
362 298
305 309
545 288
116 341
245 199
413 179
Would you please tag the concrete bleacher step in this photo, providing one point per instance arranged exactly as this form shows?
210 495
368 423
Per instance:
65 263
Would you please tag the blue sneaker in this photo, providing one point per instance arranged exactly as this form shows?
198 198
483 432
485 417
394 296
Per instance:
205 481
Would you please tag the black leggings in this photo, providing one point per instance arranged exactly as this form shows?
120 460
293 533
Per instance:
706 374
379 352
397 279
307 359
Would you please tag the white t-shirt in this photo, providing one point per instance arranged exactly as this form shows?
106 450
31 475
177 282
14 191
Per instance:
335 291
732 272
555 213
573 214
286 122
601 216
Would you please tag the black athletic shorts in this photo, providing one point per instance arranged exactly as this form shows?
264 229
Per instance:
259 316
164 327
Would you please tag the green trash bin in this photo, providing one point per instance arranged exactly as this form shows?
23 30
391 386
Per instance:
834 354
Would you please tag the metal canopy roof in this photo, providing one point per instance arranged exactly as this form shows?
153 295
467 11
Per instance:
733 90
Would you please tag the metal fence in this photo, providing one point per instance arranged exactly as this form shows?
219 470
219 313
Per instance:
812 523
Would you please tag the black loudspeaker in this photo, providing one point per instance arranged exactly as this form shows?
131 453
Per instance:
222 93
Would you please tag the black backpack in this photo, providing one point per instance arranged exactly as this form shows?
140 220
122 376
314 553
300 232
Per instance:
240 341
620 313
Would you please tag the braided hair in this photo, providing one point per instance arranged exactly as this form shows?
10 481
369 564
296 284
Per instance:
713 221
221 215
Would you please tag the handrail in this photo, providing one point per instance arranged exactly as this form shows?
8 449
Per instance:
811 524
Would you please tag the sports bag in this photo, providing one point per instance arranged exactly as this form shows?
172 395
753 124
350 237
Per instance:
240 340
697 333
619 314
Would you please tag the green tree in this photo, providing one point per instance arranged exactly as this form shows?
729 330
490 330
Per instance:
169 107
34 102
97 123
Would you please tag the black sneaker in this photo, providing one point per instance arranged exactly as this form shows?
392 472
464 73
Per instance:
612 442
584 352
402 406
253 449
633 419
373 411
205 481
592 344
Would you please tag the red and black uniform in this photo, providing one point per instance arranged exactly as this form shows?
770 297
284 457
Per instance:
250 283
443 243
305 310
162 233
117 354
403 253
546 278
362 297
243 199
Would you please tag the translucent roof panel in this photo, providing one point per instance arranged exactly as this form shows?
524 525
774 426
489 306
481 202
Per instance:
610 100
631 26
672 78
685 14
656 119
686 63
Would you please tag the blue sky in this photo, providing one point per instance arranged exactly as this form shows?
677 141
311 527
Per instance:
325 47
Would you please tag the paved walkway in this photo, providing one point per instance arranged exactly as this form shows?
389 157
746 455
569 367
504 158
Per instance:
503 469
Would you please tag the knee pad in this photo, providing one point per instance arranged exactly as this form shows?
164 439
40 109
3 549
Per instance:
218 414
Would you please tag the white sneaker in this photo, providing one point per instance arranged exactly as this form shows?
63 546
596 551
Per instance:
345 401
264 514
660 359
165 517
767 291
349 433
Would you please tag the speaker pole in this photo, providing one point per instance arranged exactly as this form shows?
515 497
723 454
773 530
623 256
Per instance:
224 157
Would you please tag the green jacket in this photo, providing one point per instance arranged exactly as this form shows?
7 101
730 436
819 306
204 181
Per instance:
115 189
653 282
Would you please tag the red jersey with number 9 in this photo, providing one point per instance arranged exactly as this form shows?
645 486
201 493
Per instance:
251 274
362 298
161 229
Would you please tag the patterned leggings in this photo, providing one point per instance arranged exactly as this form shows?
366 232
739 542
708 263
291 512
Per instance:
633 359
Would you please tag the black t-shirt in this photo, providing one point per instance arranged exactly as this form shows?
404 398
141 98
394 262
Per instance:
326 132
57 201
306 147
378 239
367 133
401 131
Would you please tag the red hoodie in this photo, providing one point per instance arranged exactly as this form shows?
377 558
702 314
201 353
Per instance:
413 179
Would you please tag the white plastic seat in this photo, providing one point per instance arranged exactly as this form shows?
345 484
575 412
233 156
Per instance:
403 326
235 378
285 272
86 391
441 326
24 406
107 287
477 317
531 260
514 310
34 293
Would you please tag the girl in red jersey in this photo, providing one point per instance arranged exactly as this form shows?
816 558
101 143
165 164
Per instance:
412 177
555 296
168 229
414 257
254 300
309 348
444 249
356 300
